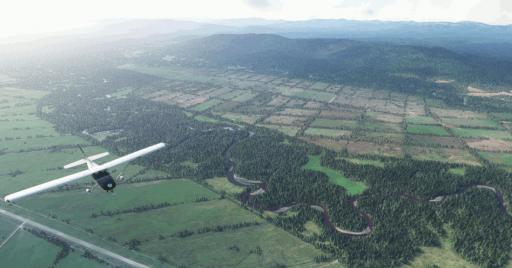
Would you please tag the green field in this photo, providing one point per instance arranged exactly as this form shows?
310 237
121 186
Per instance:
504 159
478 123
421 120
334 123
482 133
336 177
27 250
156 229
118 217
381 127
443 256
427 130
334 133
222 184
457 171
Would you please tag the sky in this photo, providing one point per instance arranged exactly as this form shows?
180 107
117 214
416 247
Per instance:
21 17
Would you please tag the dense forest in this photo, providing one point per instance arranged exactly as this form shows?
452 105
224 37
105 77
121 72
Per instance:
397 204
403 68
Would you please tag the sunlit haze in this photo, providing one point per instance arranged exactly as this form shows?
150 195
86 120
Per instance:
32 16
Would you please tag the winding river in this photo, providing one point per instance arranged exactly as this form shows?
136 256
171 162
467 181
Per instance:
230 166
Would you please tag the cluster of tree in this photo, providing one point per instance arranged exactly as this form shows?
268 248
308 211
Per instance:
65 247
215 229
397 197
140 209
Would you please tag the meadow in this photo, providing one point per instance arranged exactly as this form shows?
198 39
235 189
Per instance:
143 220
335 176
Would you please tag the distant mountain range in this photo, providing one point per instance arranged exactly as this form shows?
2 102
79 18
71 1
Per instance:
378 65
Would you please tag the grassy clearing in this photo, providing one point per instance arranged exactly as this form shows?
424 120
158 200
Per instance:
184 212
427 130
206 105
381 127
443 256
222 184
312 228
324 132
502 116
313 95
336 177
458 171
334 123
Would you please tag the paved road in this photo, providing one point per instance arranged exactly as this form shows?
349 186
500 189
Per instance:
73 240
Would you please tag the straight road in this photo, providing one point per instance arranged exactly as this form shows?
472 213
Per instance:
73 240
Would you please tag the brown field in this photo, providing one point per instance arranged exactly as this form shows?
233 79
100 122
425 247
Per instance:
362 147
492 145
225 107
278 101
380 137
423 140
457 113
295 103
390 118
340 114
313 105
286 120
336 145
443 155
298 112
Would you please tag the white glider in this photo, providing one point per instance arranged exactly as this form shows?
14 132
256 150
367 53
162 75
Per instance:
98 172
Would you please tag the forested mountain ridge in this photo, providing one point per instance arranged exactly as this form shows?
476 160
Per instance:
378 65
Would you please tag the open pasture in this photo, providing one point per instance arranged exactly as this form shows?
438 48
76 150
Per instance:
190 207
334 123
325 132
433 141
472 123
421 120
442 155
427 130
335 176
286 120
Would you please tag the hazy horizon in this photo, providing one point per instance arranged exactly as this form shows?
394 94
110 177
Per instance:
58 15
